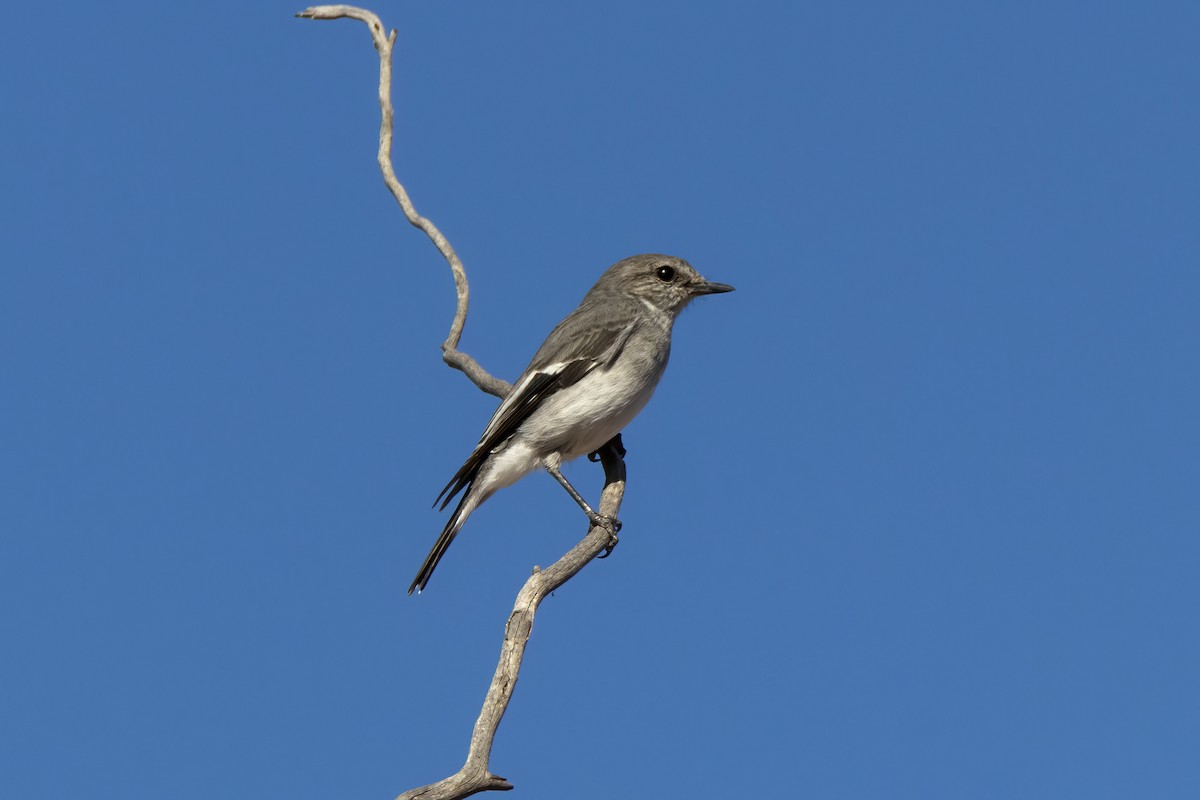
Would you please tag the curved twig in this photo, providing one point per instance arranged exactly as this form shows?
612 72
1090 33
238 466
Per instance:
475 775
383 45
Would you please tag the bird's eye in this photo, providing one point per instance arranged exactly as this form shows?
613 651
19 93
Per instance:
665 274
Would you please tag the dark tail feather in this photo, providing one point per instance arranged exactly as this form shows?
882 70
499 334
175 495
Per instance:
463 478
453 526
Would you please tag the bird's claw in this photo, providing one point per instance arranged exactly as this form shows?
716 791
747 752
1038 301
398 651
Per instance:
605 521
608 548
613 526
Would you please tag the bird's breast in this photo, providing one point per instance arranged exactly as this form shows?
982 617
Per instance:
580 418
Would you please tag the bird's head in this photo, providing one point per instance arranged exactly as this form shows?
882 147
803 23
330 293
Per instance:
664 282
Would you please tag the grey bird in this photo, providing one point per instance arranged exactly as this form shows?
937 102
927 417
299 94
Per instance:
591 376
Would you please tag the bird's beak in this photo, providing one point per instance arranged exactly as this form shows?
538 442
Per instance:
710 287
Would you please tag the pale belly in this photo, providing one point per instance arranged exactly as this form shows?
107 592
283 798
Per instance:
581 418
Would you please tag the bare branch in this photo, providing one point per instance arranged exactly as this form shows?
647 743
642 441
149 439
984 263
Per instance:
383 44
475 775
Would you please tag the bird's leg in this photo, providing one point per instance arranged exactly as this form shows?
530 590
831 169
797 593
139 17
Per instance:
611 524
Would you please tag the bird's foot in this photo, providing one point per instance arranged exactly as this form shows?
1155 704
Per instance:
610 524
605 521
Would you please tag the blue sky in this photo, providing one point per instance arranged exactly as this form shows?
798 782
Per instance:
914 512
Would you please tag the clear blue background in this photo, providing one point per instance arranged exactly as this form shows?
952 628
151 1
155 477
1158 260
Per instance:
913 514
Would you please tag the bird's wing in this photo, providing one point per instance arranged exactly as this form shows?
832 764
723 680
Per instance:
563 359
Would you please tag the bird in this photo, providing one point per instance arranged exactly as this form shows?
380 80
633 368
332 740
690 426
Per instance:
592 375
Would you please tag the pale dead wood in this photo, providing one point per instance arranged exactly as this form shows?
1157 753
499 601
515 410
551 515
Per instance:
475 775
383 45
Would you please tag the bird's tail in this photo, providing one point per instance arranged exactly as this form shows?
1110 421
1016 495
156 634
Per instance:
470 500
